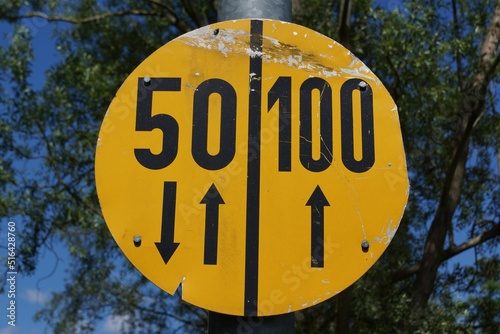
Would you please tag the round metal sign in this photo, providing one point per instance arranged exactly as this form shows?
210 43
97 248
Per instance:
257 163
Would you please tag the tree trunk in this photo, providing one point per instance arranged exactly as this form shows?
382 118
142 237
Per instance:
343 309
345 23
296 7
469 111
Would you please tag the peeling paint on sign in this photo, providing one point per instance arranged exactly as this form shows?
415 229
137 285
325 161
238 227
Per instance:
387 234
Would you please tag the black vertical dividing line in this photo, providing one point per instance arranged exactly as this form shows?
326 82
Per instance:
253 177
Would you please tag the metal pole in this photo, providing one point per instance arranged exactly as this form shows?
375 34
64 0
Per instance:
228 324
256 9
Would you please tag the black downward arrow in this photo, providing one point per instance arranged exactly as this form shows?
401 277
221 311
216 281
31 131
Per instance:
212 199
317 202
167 246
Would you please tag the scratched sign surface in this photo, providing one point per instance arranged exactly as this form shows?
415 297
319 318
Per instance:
256 163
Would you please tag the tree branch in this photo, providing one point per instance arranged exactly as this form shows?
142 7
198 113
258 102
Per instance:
397 77
493 66
74 20
451 252
188 6
477 240
457 52
172 16
60 179
166 314
345 22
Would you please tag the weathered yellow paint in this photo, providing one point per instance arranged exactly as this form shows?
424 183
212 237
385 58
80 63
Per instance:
363 206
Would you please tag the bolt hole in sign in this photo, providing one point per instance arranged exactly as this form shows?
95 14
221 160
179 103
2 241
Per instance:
256 163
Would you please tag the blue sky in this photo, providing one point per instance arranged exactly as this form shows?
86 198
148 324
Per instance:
32 292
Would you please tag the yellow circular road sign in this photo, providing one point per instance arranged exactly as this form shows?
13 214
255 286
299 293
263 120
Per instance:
257 163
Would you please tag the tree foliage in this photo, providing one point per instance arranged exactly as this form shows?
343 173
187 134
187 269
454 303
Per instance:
438 58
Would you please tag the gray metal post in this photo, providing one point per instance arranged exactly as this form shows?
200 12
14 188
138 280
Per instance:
256 9
222 323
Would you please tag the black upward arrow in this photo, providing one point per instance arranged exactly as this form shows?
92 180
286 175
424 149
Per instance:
167 246
212 199
317 202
